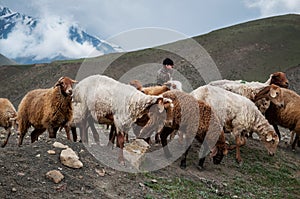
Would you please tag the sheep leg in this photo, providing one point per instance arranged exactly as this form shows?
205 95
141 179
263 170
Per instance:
94 131
165 132
120 141
84 132
21 137
8 135
295 142
53 131
74 134
183 159
112 135
277 131
239 142
67 130
35 134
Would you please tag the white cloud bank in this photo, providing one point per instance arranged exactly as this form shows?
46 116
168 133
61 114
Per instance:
274 7
50 38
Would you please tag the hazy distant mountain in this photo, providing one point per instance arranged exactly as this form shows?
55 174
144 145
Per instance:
5 61
30 40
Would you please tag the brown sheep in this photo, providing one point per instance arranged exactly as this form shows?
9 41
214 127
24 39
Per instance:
152 90
194 118
289 115
279 79
8 116
46 109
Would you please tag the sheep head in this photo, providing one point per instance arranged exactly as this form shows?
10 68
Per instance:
279 79
65 84
137 84
272 93
271 141
157 113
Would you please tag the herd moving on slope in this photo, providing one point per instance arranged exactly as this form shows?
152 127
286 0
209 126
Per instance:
207 113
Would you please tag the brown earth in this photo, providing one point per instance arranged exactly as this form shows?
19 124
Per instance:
23 171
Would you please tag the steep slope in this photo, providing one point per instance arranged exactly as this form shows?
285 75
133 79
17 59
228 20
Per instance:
257 48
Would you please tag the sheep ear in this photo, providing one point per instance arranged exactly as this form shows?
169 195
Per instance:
74 81
269 137
160 103
59 81
273 93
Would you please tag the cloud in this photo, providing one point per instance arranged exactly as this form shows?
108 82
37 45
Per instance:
272 7
50 38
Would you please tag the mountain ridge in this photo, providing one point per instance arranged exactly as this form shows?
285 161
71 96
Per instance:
34 31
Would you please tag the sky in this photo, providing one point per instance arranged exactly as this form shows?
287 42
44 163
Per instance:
107 19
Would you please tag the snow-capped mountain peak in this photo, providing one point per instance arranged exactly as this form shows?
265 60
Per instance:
31 40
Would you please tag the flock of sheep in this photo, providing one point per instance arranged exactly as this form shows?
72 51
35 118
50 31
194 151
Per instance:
207 113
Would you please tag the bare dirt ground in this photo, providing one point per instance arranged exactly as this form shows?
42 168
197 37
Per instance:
23 172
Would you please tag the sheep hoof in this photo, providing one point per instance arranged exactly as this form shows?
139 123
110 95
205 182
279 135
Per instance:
122 162
183 165
240 163
200 168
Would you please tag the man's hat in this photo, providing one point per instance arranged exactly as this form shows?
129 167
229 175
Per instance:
168 61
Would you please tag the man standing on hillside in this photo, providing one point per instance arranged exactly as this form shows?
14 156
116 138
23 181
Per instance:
165 73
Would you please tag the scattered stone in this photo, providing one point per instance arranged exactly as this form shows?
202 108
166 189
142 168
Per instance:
134 152
20 174
13 189
154 181
141 184
55 175
38 155
100 172
61 187
51 152
59 168
69 158
59 145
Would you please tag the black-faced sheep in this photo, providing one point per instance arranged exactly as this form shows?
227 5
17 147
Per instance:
238 115
289 115
111 102
194 119
46 109
8 116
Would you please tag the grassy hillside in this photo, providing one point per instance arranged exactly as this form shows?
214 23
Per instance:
257 48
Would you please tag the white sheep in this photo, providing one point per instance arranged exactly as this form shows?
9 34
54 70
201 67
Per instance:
250 89
238 115
111 102
8 116
46 109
